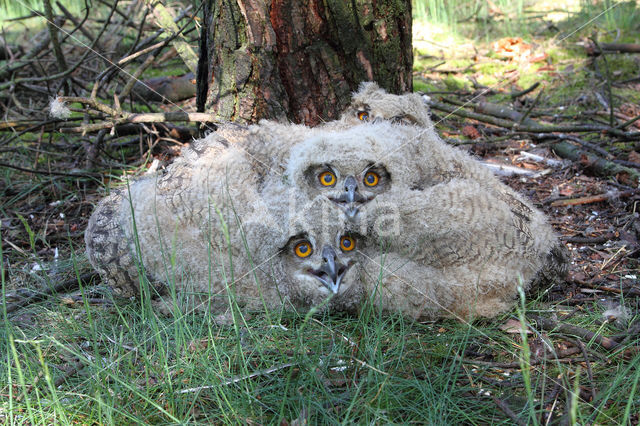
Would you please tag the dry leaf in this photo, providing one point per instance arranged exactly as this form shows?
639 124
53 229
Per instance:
470 132
513 326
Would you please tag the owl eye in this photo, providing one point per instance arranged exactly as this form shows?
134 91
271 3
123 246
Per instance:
371 179
347 243
363 116
303 249
327 178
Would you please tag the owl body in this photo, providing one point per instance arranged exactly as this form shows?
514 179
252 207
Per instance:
213 228
280 215
466 240
184 228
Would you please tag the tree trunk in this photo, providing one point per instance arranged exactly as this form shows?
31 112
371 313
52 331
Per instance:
301 59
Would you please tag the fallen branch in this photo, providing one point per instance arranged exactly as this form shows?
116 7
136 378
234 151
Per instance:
50 173
552 325
13 66
529 89
502 111
599 165
159 117
588 240
562 358
593 198
63 287
68 71
628 292
507 410
596 50
529 128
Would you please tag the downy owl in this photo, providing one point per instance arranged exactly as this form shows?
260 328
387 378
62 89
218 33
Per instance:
434 209
205 230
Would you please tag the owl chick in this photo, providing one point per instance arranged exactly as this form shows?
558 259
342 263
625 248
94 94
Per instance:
435 207
205 230
371 103
352 165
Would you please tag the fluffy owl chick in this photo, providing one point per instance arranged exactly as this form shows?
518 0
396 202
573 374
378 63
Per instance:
203 229
351 166
320 261
435 207
371 103
185 228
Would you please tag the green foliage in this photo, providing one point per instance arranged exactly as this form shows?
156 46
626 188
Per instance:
12 9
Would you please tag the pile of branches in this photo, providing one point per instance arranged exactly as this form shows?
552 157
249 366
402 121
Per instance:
93 64
591 142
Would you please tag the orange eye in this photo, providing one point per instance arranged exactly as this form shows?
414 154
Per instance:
303 249
347 243
327 178
363 116
371 179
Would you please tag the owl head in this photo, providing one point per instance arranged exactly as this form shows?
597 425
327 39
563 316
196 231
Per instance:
371 103
322 267
350 166
318 262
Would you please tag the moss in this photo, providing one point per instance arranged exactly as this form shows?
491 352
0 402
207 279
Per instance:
420 85
455 83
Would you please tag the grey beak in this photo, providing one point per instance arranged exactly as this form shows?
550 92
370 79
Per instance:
350 198
350 188
332 271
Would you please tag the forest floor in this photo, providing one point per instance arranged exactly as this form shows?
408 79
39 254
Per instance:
571 354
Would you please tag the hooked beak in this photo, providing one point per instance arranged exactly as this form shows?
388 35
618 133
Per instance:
350 198
332 271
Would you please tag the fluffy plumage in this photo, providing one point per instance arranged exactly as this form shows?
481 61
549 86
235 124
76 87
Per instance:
450 226
371 103
436 234
205 227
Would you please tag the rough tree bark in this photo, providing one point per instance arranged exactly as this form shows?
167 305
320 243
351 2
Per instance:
301 59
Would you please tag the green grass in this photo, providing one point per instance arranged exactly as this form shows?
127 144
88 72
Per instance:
17 8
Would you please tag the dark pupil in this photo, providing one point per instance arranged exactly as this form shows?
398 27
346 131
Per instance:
327 178
347 242
303 248
370 178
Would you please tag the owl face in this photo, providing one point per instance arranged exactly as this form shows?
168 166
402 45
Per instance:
348 166
323 267
372 104
360 112
348 185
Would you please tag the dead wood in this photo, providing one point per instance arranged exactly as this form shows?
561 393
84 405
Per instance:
593 198
553 325
627 292
529 89
160 117
502 111
502 405
62 287
69 70
50 173
588 240
530 128
10 68
80 25
596 50
564 356
599 165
